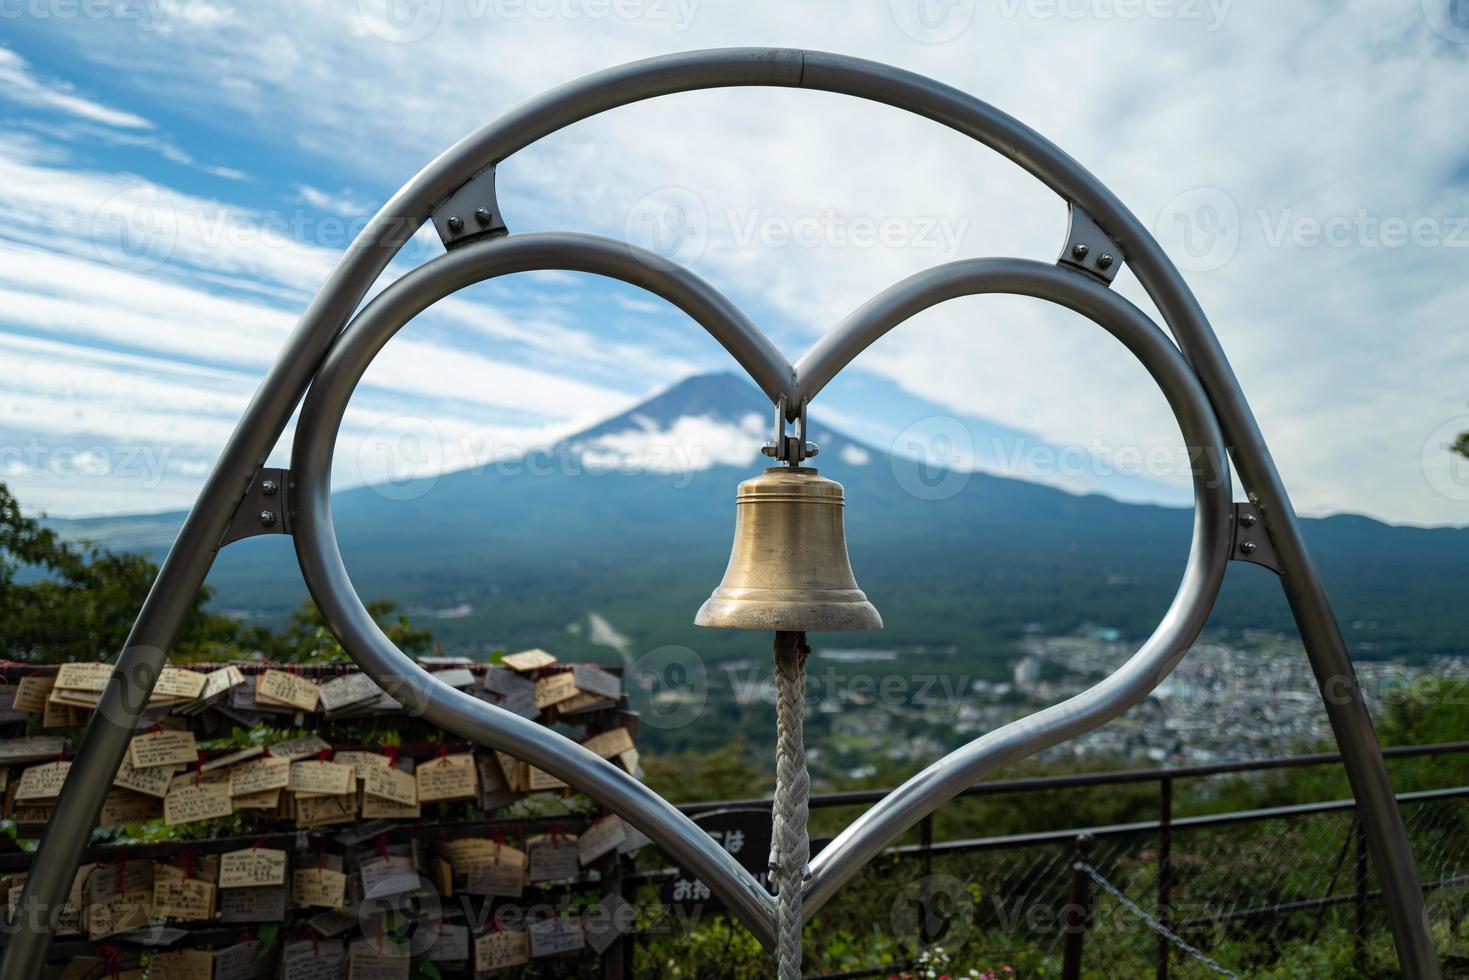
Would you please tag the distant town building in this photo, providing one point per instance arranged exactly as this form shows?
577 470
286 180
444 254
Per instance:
1027 673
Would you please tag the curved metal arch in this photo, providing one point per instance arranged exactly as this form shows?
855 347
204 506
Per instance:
183 571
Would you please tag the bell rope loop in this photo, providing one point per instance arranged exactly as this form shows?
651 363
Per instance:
790 845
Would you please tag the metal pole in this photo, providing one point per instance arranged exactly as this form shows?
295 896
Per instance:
925 841
1361 897
1165 869
615 965
1077 914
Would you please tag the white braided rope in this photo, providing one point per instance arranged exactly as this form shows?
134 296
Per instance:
790 847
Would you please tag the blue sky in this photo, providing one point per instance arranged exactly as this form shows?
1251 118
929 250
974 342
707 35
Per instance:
176 179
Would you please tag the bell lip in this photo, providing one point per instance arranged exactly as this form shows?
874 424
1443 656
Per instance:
780 615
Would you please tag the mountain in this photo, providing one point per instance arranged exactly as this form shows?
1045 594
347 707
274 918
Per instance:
724 398
614 536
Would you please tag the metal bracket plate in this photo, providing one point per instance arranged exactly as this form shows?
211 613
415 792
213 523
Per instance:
471 212
1089 248
265 509
1251 541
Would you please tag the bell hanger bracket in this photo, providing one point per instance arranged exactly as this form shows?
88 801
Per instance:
785 447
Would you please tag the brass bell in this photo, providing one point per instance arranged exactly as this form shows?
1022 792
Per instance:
788 569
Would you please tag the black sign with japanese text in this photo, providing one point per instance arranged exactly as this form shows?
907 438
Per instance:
745 834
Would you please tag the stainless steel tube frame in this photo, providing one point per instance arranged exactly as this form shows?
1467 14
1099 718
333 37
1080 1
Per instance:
331 586
184 570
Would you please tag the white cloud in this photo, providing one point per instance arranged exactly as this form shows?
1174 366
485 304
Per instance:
690 444
341 202
162 310
20 85
84 134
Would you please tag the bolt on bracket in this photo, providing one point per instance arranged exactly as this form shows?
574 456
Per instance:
1251 541
1089 248
265 508
470 213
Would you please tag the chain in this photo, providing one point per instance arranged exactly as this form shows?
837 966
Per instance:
1153 923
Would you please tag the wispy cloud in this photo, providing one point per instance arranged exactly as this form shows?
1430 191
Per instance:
137 319
20 85
340 202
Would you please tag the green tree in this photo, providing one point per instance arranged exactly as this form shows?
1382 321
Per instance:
61 601
1428 713
306 637
726 773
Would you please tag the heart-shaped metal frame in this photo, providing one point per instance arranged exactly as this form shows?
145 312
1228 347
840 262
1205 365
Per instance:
493 727
1194 376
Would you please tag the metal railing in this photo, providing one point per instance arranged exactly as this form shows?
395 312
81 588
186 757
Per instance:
1349 882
